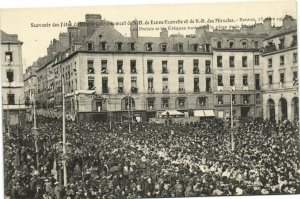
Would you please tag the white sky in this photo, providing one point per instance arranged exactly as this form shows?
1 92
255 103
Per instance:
36 40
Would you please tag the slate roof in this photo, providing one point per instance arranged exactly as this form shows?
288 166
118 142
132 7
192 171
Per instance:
7 38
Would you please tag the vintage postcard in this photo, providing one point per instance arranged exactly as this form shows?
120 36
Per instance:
150 101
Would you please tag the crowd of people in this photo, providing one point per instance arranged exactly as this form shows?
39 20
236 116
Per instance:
152 160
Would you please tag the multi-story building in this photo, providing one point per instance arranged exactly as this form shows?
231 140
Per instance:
13 101
280 73
107 74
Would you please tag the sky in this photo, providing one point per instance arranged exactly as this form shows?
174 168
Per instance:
37 39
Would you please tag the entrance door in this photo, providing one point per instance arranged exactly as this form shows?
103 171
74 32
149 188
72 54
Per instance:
245 111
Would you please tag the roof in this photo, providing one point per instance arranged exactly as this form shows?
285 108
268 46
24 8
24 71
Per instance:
282 31
9 38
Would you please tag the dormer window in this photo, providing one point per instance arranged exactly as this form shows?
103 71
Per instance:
90 46
103 46
164 47
219 44
149 47
231 43
119 46
180 47
195 47
132 47
256 44
244 44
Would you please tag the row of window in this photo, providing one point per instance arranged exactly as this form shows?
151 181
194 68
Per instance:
282 78
281 60
232 61
133 67
231 44
120 46
271 46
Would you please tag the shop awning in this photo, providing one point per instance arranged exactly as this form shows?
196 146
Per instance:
199 113
209 113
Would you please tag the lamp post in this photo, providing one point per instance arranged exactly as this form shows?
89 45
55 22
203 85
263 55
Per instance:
129 127
231 120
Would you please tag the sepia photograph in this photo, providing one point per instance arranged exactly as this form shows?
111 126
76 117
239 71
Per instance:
150 101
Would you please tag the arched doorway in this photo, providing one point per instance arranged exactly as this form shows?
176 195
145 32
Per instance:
271 109
295 108
282 109
98 104
127 103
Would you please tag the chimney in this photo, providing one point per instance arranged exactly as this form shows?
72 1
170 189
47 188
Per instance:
134 29
200 31
287 21
164 33
267 24
92 20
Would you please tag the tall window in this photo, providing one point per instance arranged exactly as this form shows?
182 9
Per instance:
256 59
196 66
134 88
270 62
282 77
231 44
294 42
165 84
120 85
219 61
281 44
220 80
181 102
120 66
10 75
245 62
270 77
231 61
164 66
90 64
133 66
256 44
232 80
196 85
103 66
165 103
8 56
180 47
207 67
91 83
149 66
181 84
104 85
295 57
281 60
195 46
150 103
11 99
245 80
150 84
180 67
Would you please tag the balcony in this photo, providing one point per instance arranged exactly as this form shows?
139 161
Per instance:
133 71
104 71
208 70
164 71
120 71
196 71
196 90
180 71
120 90
220 88
105 90
181 90
150 90
245 88
165 90
134 90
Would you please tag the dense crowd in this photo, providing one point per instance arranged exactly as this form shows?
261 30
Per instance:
153 160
